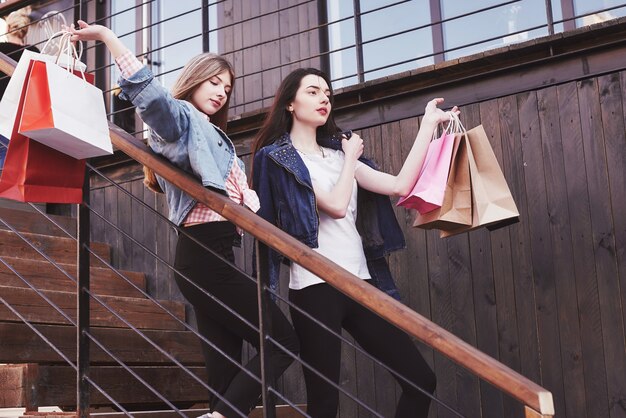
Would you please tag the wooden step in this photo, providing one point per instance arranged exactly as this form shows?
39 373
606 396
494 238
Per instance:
282 411
141 313
32 385
60 249
29 220
20 344
45 276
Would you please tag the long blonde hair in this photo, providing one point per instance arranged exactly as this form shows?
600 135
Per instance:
199 69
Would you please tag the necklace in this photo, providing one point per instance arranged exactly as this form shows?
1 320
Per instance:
310 154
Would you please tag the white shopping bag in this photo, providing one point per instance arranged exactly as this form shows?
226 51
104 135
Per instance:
63 111
11 97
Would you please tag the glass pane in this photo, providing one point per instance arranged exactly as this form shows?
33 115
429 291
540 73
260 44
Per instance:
46 20
597 11
385 53
394 19
177 37
508 24
341 40
410 49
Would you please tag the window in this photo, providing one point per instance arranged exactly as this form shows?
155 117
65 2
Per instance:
369 39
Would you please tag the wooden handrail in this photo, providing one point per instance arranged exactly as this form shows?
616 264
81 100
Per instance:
538 399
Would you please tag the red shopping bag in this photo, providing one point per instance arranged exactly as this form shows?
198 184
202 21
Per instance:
34 172
427 194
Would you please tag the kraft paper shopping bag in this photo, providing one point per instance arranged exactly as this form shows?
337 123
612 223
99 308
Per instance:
492 201
456 208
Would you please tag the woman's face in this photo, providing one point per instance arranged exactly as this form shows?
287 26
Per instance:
211 95
311 105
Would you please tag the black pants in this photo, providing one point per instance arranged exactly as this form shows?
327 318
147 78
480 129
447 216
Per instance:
223 328
378 337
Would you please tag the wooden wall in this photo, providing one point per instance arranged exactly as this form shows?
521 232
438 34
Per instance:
545 296
265 40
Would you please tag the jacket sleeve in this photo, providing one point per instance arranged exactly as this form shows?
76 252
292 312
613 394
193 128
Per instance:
168 117
261 183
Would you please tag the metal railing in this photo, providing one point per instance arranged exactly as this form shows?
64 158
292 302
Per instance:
510 382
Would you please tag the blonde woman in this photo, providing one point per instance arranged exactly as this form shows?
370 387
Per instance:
187 129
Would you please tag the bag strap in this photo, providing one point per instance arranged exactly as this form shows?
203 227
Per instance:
67 47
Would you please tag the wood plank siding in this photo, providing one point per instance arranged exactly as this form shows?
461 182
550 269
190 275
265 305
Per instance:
545 296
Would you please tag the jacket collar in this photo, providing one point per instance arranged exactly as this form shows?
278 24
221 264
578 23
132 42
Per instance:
285 154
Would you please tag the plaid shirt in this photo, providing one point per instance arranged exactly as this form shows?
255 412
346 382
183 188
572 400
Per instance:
236 183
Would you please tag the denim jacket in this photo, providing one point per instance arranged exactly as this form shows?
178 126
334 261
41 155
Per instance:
183 135
285 190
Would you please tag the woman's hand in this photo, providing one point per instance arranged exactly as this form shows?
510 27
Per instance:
353 147
434 115
86 32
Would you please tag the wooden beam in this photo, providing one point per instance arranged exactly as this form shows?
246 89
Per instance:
21 345
531 413
33 385
141 313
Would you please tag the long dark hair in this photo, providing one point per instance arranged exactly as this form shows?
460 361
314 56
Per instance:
279 120
199 69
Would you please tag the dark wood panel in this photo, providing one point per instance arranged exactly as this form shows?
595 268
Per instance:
611 272
603 237
502 254
562 255
585 275
541 251
488 275
520 241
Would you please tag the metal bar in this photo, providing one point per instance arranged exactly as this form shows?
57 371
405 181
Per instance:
437 31
205 26
358 37
567 8
268 379
82 300
324 44
550 17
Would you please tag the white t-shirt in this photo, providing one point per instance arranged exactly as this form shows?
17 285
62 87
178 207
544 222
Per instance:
338 239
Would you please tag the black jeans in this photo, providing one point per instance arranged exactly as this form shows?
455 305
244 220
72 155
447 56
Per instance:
383 341
223 328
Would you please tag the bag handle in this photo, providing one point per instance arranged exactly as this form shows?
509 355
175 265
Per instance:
457 126
67 47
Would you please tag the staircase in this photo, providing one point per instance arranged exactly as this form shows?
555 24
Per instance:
35 375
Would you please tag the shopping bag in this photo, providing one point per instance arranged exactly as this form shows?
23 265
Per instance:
492 202
428 192
456 208
11 97
33 172
65 112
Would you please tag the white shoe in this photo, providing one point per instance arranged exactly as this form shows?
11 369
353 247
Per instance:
209 415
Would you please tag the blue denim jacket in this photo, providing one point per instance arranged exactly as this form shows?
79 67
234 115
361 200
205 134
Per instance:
285 190
183 135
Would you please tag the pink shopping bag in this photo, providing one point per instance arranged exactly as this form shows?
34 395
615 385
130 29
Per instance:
427 194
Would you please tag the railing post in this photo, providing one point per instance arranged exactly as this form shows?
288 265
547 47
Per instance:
82 308
549 17
358 37
267 376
